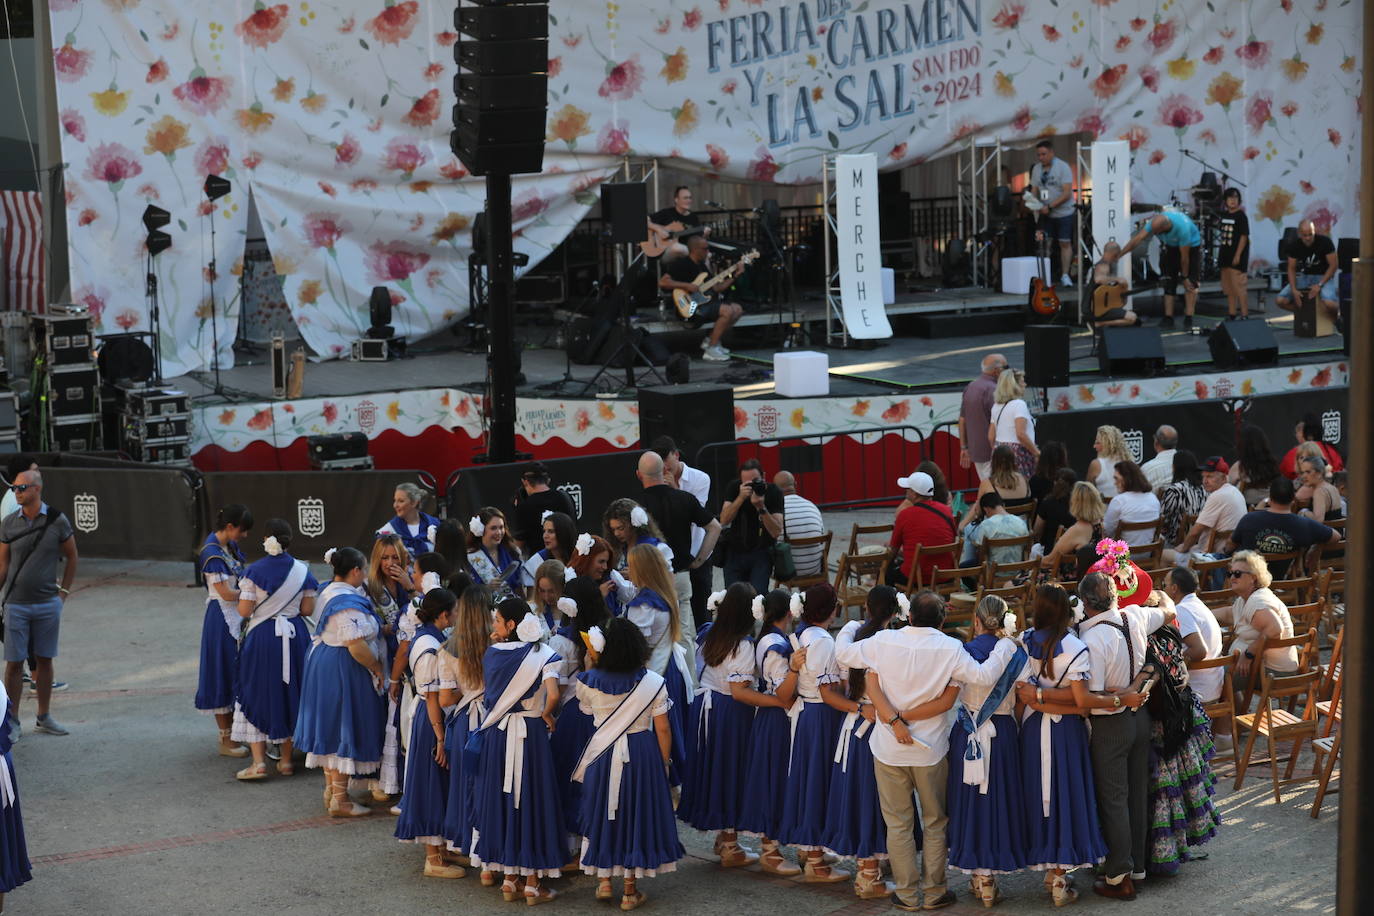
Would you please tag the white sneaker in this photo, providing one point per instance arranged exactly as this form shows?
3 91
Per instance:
706 342
716 354
1065 280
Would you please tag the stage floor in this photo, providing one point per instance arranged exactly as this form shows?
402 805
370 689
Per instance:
905 361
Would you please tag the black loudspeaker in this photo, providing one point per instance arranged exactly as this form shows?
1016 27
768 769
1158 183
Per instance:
623 208
1243 343
1047 355
693 415
1347 250
501 87
1131 351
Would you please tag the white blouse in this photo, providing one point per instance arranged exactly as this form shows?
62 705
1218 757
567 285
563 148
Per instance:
1243 615
820 668
654 623
250 591
344 626
771 665
431 674
738 668
601 705
974 696
1071 664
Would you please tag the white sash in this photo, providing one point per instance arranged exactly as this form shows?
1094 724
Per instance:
976 770
1046 749
613 735
482 565
513 723
854 725
471 702
410 699
276 602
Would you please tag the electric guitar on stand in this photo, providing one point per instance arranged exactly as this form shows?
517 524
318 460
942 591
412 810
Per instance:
688 303
1044 301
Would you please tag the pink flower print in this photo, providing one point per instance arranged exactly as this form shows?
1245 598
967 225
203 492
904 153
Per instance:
393 262
323 230
718 157
70 64
157 71
1021 121
266 25
1254 53
1009 16
527 206
1323 214
404 156
202 94
762 167
1136 136
1251 152
1259 112
614 138
1214 55
1109 81
94 300
126 319
1150 77
394 23
555 66
1162 35
1333 136
728 87
622 80
330 412
1091 122
347 151
691 20
1157 157
112 164
1176 111
73 123
425 111
433 71
212 157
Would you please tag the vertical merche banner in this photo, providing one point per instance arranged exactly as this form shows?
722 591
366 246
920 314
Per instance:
1111 197
859 247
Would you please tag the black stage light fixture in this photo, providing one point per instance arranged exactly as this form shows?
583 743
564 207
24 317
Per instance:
158 242
154 217
379 310
216 187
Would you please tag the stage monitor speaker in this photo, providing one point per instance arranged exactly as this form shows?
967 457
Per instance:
1131 351
1347 250
623 208
1047 355
1243 343
693 415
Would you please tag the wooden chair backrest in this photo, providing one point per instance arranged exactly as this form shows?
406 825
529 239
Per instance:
955 550
1151 526
817 578
1023 542
1000 573
1148 555
859 530
945 582
1306 616
1025 510
1295 590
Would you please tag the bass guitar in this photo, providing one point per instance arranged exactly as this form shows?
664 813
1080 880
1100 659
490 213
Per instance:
1044 301
688 303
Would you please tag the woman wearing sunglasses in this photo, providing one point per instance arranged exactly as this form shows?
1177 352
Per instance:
1257 615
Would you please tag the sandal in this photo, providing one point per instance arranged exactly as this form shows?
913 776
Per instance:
1061 893
252 772
228 747
869 884
629 902
816 872
510 890
771 861
732 855
340 805
539 894
436 867
286 768
604 891
988 891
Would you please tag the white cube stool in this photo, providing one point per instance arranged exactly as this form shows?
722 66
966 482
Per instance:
801 374
889 285
1017 274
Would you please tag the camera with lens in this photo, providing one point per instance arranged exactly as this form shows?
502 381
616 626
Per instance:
758 486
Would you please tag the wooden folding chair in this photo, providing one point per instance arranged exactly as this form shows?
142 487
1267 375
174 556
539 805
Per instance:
1224 707
1289 564
1002 574
1125 528
823 574
1306 644
1218 539
860 530
1306 616
1148 555
851 589
1277 724
1327 748
1025 510
948 553
1016 596
1205 569
1219 598
993 544
1297 590
949 585
1157 575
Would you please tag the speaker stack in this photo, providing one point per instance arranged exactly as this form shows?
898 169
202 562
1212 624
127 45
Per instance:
67 408
1047 355
693 415
501 86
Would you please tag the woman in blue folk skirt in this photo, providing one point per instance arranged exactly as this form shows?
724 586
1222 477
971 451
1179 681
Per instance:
813 742
654 609
722 722
626 803
425 802
987 817
580 608
770 742
519 817
276 592
854 817
341 714
14 854
1056 768
462 656
221 563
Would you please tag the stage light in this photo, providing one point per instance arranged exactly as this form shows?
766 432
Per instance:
216 187
379 308
155 217
158 242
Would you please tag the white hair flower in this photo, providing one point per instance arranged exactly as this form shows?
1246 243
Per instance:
476 527
715 599
567 606
431 533
1009 622
1078 611
329 555
638 517
584 544
429 581
757 607
531 628
597 639
796 606
903 608
272 546
543 516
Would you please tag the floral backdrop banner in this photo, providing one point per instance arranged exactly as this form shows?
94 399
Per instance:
333 114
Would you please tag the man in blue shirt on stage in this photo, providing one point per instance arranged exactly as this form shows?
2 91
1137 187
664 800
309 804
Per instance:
1182 259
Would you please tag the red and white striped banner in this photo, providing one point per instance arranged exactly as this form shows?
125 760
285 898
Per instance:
21 219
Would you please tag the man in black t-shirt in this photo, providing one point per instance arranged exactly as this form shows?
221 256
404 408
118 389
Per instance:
754 511
536 498
682 273
1311 271
666 223
1278 529
1234 254
676 511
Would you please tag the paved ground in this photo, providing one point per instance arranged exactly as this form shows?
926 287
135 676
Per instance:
134 812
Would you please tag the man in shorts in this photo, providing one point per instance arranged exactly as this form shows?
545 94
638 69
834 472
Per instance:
681 273
1052 182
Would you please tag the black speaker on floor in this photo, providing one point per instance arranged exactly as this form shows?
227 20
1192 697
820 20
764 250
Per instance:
1047 355
1243 343
1347 250
1131 351
693 415
623 206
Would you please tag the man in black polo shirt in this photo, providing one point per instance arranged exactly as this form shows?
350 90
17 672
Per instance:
677 217
536 498
754 511
676 511
1276 528
681 273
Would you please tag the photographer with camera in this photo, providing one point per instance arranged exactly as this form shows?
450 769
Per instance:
531 501
753 510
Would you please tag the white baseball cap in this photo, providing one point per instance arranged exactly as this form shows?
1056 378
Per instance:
921 483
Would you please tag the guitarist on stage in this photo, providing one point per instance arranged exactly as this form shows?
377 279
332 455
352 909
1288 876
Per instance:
676 218
1110 308
681 273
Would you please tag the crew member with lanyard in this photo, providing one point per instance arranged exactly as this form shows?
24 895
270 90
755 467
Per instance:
221 563
275 593
1182 259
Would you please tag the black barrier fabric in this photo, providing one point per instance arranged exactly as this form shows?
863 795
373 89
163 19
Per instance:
1204 428
144 514
592 481
1278 414
325 508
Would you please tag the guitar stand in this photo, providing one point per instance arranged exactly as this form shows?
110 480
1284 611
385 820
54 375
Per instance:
633 273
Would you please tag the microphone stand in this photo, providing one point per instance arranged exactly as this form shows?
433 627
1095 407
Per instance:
154 318
214 320
1221 171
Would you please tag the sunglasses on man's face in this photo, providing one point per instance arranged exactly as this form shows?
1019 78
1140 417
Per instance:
21 487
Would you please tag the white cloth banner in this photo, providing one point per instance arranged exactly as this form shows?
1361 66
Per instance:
1111 175
860 251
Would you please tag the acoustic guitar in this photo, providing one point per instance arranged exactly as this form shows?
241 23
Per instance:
688 303
1044 301
1113 296
660 240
